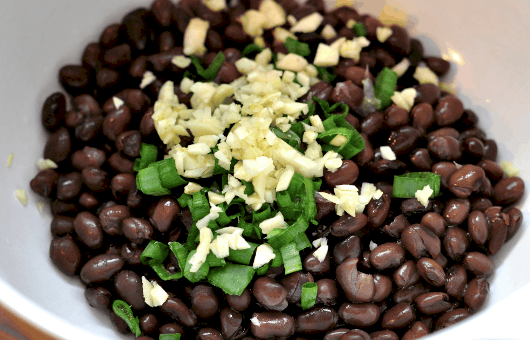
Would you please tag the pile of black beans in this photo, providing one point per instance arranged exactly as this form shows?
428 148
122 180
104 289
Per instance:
399 270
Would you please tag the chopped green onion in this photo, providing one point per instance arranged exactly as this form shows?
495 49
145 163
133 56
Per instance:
251 230
148 155
288 234
184 200
325 75
385 86
251 48
278 260
329 110
191 239
249 187
169 176
155 250
200 274
148 182
172 336
291 258
162 272
297 47
265 213
309 295
302 242
180 252
405 186
263 269
353 145
359 29
199 205
232 278
123 310
290 137
317 183
214 261
243 256
212 70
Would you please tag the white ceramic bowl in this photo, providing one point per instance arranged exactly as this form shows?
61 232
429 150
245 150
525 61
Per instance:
488 42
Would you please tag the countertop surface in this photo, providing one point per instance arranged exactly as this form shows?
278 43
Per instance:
13 327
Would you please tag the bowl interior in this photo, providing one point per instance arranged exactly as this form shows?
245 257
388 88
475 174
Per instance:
489 49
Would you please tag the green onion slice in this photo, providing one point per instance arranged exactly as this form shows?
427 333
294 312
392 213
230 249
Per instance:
180 252
232 278
148 155
214 261
155 250
162 272
290 137
288 234
250 230
123 310
385 86
278 260
359 29
200 274
302 242
243 256
173 336
353 145
325 75
148 182
251 48
263 269
169 176
405 186
297 47
212 70
328 110
309 294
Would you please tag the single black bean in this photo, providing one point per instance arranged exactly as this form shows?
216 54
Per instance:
417 330
88 157
101 268
177 310
357 286
65 254
136 29
348 93
429 94
120 163
406 275
478 263
350 247
384 334
396 227
516 218
204 302
111 219
69 186
434 222
383 287
129 143
359 314
377 211
137 230
276 325
269 293
431 271
58 146
347 173
445 148
316 320
455 242
116 122
53 111
44 182
99 297
240 302
404 139
149 323
95 179
128 285
373 123
62 225
456 211
327 292
456 281
433 303
74 78
162 11
399 316
421 159
347 225
209 333
407 295
476 293
420 241
449 110
509 190
88 229
387 255
451 317
399 41
498 227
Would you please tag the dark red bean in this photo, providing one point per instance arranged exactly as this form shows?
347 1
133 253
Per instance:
95 179
478 263
53 111
149 323
88 229
101 268
377 211
240 302
466 180
433 303
204 302
449 110
416 331
445 148
387 255
359 314
406 275
396 227
111 219
509 190
399 316
399 41
44 182
116 122
348 93
350 247
477 226
99 297
427 93
347 225
120 163
177 310
456 281
327 292
129 287
434 222
269 293
451 317
431 271
438 65
455 242
492 169
476 293
137 230
420 241
316 320
347 173
357 286
88 157
74 78
516 218
165 213
456 211
65 254
58 146
276 325
498 226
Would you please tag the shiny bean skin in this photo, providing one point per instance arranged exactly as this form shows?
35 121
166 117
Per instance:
492 169
62 225
422 115
355 334
456 281
466 180
116 122
328 292
324 207
455 242
137 230
383 287
209 334
347 225
445 170
120 163
44 182
204 302
407 295
350 247
509 190
88 229
347 173
476 293
431 271
129 143
387 255
434 222
335 334
99 297
171 328
396 116
377 211
359 314
451 317
231 324
404 139
348 93
149 323
396 227
421 159
399 316
456 211
445 148
88 157
357 286
316 320
420 241
516 218
498 227
177 310
433 303
239 302
69 186
101 268
406 275
95 179
58 146
416 331
164 214
65 254
129 287
111 219
276 325
269 293
384 335
478 263
448 111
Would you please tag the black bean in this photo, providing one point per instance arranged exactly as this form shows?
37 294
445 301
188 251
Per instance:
456 211
129 143
276 325
431 271
137 230
399 316
476 292
88 229
509 190
420 241
438 65
316 320
44 182
396 227
455 242
136 29
348 93
451 317
165 213
327 292
456 281
422 116
128 285
417 330
95 179
99 297
466 180
357 286
111 219
149 323
65 254
406 275
177 310
209 334
204 302
270 294
359 314
58 146
445 148
240 302
399 41
53 111
74 78
347 173
100 268
433 303
315 266
387 255
347 225
385 334
478 263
